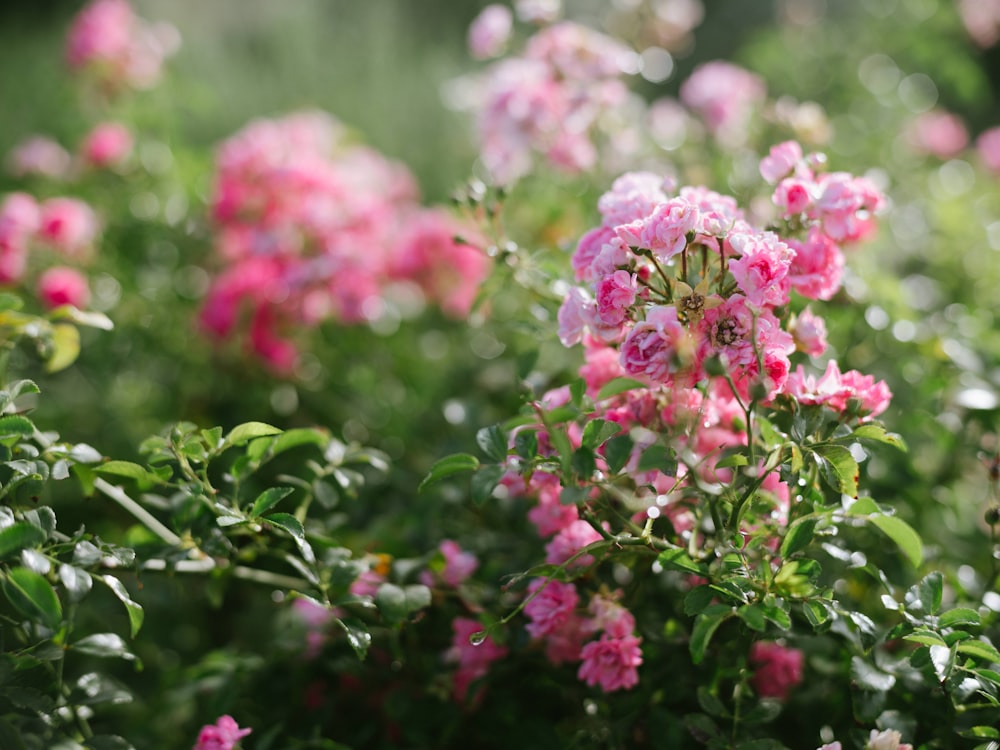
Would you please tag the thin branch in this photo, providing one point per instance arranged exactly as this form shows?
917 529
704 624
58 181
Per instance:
118 495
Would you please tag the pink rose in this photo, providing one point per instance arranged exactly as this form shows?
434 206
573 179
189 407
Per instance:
225 734
777 669
106 145
63 286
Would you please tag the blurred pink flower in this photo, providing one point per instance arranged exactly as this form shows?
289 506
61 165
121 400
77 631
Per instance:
777 669
490 31
68 225
942 134
551 608
723 95
988 146
20 217
108 144
473 658
225 734
60 285
41 156
458 566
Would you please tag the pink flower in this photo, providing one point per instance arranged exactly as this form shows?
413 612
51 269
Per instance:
988 146
106 145
831 746
981 19
792 196
761 271
458 566
473 657
940 133
550 609
39 155
551 516
659 348
777 669
225 734
611 662
723 95
818 266
780 161
845 206
490 31
615 295
63 286
632 197
610 616
569 541
841 391
573 316
664 231
587 250
69 225
19 220
809 332
115 46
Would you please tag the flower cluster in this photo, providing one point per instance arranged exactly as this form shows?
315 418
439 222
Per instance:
66 226
549 100
118 49
312 227
107 146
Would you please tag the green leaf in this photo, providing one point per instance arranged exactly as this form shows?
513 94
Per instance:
617 452
925 595
291 525
902 534
617 386
798 536
705 626
10 737
397 603
925 637
105 645
698 600
980 650
869 677
76 581
493 442
598 431
679 559
268 499
778 615
65 347
33 596
357 635
982 732
818 614
95 688
143 477
89 318
15 424
243 433
959 616
526 444
658 457
753 616
584 463
863 506
21 535
448 466
711 704
133 608
484 482
877 433
732 461
843 467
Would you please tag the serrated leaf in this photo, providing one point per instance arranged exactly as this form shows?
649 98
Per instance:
95 688
980 650
291 525
15 424
104 645
448 466
598 431
243 433
484 482
925 595
798 536
268 499
617 452
753 616
679 559
878 434
584 463
357 635
77 582
143 477
732 461
133 608
21 535
492 441
698 600
843 467
959 616
925 637
943 661
526 444
617 386
778 615
658 457
33 596
817 614
869 677
904 535
705 626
